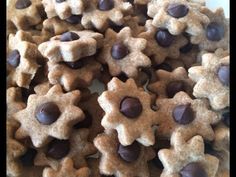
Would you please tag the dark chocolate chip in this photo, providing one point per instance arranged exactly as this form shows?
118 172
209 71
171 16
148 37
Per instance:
164 66
174 87
22 4
75 65
60 1
14 58
193 169
129 153
119 51
105 5
58 149
164 38
223 75
226 118
26 93
86 123
47 113
28 158
186 48
131 107
215 31
74 19
183 114
69 36
177 10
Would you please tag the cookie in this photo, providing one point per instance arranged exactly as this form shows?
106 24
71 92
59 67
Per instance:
161 44
190 116
216 32
53 115
93 164
129 113
64 9
66 169
71 46
100 12
178 16
121 160
123 53
188 159
170 83
212 80
76 147
24 14
72 75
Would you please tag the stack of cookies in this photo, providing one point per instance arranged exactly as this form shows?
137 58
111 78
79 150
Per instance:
164 110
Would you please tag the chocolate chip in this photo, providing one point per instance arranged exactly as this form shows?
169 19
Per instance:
215 31
183 114
60 1
47 113
177 10
223 75
129 153
75 65
74 19
22 4
164 66
186 48
58 149
164 38
193 169
131 107
119 51
226 118
14 58
28 158
174 87
105 5
26 93
69 36
86 123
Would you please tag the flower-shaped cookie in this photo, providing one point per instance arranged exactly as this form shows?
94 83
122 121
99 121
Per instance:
160 43
170 83
72 75
48 116
22 59
128 110
14 150
191 117
64 8
93 164
123 53
212 80
188 159
14 101
66 169
216 34
100 12
122 161
24 13
71 46
178 16
76 147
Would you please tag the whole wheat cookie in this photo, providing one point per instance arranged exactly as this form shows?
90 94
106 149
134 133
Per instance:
66 169
24 14
160 43
14 150
71 46
64 8
216 32
72 75
100 12
76 147
49 116
122 161
212 80
129 112
178 16
188 159
123 53
190 116
22 59
170 83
